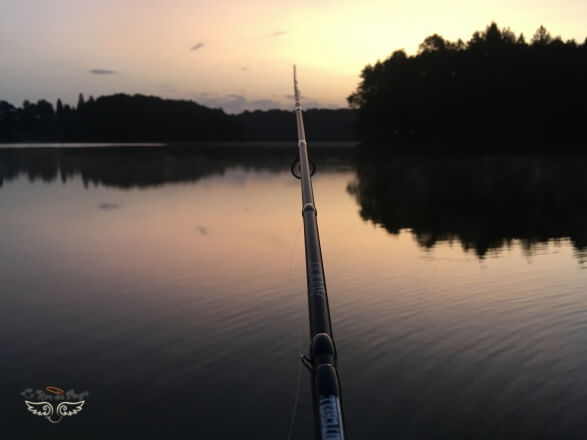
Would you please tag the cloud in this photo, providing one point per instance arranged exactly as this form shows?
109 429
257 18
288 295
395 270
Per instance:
305 101
277 34
197 46
103 72
237 103
233 103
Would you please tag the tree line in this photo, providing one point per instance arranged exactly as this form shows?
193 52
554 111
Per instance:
495 88
139 118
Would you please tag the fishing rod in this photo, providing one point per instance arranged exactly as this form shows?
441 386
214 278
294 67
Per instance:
326 394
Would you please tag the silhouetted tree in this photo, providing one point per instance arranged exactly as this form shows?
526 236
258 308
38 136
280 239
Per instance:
541 37
495 88
80 101
432 43
7 121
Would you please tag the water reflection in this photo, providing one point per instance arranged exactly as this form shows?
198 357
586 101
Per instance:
180 306
128 167
485 203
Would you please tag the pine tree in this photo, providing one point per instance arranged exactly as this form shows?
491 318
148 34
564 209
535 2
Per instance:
541 37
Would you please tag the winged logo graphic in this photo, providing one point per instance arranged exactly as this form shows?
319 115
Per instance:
45 409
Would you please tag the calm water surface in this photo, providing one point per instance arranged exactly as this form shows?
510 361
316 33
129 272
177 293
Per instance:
170 285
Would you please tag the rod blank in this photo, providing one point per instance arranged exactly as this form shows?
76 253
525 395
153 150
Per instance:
325 380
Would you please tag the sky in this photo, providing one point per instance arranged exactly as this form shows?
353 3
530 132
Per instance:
237 55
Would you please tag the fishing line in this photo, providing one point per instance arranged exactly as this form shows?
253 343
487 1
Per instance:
295 407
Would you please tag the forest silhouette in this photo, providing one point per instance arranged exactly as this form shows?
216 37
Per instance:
494 89
139 118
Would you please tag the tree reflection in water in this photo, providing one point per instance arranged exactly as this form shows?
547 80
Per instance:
484 202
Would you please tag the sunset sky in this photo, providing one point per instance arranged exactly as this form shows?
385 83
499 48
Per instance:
233 54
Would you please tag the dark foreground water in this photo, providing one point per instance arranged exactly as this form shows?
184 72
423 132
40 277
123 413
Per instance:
169 284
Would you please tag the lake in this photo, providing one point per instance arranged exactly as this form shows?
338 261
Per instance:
169 283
